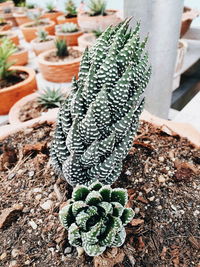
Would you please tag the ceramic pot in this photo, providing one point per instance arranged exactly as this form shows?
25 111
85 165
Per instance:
39 47
19 58
52 15
59 72
63 20
11 35
90 23
21 18
10 95
71 38
6 27
86 40
30 33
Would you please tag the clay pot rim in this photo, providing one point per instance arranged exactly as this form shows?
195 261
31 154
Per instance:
24 26
29 71
86 14
22 51
51 36
9 33
58 32
62 17
49 63
19 14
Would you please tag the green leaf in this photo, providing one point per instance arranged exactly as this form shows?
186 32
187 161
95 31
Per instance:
78 206
105 192
95 186
93 250
119 238
91 237
117 209
127 216
66 217
74 235
80 193
93 198
119 195
107 207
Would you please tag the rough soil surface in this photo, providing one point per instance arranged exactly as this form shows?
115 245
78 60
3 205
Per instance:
73 54
31 110
161 174
13 79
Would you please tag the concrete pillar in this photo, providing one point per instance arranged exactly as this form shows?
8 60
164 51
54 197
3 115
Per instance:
162 20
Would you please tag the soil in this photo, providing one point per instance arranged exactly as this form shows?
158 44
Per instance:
3 23
41 41
69 16
13 79
161 174
41 23
31 110
73 54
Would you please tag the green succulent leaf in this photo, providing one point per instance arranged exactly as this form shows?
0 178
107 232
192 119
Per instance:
107 207
80 193
127 216
74 235
78 206
119 238
94 250
117 209
105 192
93 198
66 217
95 186
119 195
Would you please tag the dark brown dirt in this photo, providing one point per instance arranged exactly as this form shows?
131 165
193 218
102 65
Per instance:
13 79
164 233
31 110
73 54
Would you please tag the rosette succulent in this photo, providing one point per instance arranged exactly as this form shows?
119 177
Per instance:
95 217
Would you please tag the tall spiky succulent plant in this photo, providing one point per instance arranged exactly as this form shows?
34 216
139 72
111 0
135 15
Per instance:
95 218
97 122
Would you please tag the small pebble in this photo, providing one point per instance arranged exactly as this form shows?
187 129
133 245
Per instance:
161 159
159 207
137 210
47 205
3 256
15 253
161 179
196 212
68 250
128 172
151 198
33 225
31 173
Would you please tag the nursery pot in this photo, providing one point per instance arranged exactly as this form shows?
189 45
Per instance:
11 36
63 20
90 23
70 38
30 33
52 15
19 58
21 18
86 40
6 27
39 47
10 95
58 71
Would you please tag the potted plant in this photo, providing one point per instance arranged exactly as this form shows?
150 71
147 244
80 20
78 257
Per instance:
70 14
34 105
5 25
8 15
88 39
60 64
19 57
5 4
11 35
15 82
51 13
21 15
43 42
68 32
98 17
30 29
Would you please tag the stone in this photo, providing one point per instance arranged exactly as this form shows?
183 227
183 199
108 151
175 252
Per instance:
161 159
15 253
67 250
31 173
136 222
38 197
47 205
161 179
33 225
10 214
3 256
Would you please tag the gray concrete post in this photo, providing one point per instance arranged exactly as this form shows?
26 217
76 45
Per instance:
162 20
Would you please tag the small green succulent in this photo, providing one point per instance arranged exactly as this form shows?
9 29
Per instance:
62 50
30 6
42 35
95 217
97 33
70 9
97 7
7 48
69 27
51 98
50 7
35 16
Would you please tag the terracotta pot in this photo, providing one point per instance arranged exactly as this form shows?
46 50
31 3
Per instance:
70 38
19 58
11 35
10 17
6 27
188 16
21 18
90 23
14 113
86 40
52 15
6 4
10 95
39 47
30 33
182 49
63 20
58 71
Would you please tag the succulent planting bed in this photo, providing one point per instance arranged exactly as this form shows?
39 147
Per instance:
161 174
17 77
73 54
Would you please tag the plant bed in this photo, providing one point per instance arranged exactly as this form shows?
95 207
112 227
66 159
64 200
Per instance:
10 35
70 15
68 32
20 57
90 23
43 42
5 25
160 173
59 69
30 29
